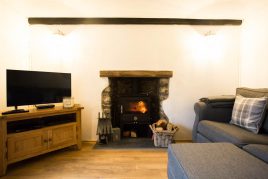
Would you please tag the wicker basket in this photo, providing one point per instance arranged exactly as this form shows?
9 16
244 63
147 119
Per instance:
163 138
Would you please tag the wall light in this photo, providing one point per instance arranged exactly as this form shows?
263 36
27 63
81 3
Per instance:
62 30
209 33
59 32
206 47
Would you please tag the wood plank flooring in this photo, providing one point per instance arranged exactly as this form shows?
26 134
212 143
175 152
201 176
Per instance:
93 163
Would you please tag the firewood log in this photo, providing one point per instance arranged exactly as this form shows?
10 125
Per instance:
162 123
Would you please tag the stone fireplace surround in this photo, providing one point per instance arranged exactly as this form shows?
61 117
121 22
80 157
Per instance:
154 83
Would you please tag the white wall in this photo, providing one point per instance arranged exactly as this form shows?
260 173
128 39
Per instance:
254 56
202 65
14 45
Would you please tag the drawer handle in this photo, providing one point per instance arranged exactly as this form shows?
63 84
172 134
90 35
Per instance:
45 140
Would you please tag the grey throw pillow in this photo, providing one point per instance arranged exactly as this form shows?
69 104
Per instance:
248 113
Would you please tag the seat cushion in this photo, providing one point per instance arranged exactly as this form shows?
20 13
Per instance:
259 151
213 160
201 139
225 132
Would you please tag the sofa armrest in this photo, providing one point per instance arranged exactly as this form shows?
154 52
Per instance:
219 111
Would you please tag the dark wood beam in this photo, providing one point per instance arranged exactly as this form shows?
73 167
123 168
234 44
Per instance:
137 21
136 73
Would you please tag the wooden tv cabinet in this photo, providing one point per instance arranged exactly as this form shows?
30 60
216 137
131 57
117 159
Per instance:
25 135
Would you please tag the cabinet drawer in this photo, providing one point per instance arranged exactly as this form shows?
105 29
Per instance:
26 144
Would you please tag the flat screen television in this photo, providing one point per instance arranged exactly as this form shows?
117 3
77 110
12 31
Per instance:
35 87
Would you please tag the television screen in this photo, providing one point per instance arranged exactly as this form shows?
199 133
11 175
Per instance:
33 87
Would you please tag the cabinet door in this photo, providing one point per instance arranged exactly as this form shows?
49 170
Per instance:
26 144
62 136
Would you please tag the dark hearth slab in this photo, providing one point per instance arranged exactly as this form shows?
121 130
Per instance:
128 143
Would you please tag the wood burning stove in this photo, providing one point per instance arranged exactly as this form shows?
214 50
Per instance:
134 114
135 105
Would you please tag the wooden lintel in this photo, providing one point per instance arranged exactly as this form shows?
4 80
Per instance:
137 21
136 73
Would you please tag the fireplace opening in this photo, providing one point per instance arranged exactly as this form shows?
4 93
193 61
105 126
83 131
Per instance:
132 101
135 105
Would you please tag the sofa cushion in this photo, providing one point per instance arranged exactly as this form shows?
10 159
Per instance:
202 139
252 93
259 151
213 160
255 93
249 112
225 132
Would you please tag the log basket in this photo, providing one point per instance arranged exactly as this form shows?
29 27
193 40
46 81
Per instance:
163 138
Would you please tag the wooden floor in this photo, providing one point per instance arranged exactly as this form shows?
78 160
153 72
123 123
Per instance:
93 163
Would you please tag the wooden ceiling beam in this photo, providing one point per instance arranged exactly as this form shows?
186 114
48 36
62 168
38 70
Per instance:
129 21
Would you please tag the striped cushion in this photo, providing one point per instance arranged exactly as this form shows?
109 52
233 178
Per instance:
249 112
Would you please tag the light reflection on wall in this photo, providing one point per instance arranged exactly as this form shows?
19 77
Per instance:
52 50
207 48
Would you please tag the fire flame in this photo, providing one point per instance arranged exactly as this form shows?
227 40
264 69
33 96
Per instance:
139 107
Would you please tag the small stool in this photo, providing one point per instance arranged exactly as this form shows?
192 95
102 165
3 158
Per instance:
213 160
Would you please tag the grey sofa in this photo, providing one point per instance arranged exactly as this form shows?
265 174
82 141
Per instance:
213 115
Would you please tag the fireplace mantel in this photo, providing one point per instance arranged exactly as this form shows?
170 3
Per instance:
136 73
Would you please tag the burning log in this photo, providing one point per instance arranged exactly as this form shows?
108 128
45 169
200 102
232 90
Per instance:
139 106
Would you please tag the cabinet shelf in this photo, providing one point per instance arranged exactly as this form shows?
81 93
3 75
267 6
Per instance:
37 123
